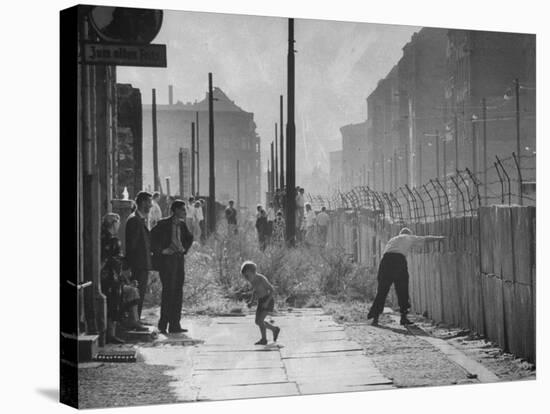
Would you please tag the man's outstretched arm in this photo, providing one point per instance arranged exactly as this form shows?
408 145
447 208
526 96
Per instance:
433 238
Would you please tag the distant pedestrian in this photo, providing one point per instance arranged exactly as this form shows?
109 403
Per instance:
270 220
138 244
323 220
171 239
393 270
300 205
261 227
279 229
197 218
156 213
231 217
190 213
202 215
263 291
309 225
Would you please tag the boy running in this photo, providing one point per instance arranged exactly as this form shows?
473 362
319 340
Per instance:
263 290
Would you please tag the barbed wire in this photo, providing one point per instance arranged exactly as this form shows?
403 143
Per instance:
459 194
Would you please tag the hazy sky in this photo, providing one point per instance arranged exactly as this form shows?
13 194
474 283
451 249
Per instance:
337 65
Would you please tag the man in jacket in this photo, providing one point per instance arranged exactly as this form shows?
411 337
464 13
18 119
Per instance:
170 240
138 244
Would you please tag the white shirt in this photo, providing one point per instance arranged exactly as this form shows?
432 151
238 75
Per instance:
199 214
323 219
310 218
189 212
154 215
402 243
300 201
270 214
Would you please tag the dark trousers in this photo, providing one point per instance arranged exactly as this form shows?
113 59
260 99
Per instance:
172 276
141 275
392 270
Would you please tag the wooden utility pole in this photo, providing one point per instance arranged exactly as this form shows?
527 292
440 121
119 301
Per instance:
281 146
212 178
168 186
383 165
437 154
290 144
518 142
445 160
180 158
198 155
484 105
238 186
373 174
474 147
276 140
192 159
156 178
272 170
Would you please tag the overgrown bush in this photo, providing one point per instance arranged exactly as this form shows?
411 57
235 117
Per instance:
302 276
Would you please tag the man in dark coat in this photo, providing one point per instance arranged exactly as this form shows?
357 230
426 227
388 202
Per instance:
138 244
171 239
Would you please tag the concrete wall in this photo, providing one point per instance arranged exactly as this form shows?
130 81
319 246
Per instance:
482 277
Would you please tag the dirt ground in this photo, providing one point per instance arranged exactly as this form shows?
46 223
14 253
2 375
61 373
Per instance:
413 362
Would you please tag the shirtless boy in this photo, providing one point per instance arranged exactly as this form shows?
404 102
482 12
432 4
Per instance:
263 291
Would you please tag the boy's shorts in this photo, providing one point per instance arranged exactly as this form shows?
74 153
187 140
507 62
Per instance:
265 304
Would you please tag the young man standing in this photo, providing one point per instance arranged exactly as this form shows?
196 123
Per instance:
138 244
393 270
170 241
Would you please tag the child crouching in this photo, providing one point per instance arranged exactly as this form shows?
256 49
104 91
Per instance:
263 291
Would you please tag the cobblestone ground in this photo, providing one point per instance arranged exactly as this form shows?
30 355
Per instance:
124 384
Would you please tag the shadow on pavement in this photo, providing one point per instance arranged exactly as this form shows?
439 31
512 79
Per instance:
51 393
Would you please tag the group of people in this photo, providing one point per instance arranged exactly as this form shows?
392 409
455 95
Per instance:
195 214
151 243
311 227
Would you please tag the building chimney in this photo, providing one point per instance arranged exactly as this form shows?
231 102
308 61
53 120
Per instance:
170 95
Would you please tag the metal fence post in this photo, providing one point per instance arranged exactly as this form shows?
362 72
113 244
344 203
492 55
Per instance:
425 187
422 201
520 179
507 179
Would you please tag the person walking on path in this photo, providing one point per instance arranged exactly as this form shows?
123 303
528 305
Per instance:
231 217
263 291
138 244
393 270
170 240
323 220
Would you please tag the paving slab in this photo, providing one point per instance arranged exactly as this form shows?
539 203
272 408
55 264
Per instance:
313 355
249 391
